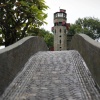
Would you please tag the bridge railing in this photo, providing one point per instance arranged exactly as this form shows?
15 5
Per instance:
90 51
14 57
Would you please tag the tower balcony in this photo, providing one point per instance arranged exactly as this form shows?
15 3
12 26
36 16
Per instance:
60 15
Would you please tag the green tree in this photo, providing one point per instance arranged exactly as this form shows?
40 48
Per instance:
88 25
48 37
16 16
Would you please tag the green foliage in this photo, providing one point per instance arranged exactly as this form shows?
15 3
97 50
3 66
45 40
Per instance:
1 40
48 37
87 25
16 16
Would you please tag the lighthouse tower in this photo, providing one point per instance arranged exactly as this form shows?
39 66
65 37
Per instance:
60 30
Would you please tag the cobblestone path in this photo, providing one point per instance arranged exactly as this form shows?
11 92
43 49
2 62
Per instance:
55 75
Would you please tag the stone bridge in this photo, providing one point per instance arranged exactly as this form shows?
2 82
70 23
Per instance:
28 71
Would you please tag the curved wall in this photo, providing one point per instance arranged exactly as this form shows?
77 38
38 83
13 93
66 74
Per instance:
90 51
14 57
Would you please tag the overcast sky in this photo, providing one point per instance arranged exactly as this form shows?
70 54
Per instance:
74 8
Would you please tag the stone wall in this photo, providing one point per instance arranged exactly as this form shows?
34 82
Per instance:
69 38
90 51
14 57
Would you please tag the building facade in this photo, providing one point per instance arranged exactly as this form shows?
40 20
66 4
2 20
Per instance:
60 30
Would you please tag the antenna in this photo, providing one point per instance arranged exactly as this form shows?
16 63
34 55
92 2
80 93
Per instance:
59 8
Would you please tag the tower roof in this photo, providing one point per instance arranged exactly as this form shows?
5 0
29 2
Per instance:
60 11
63 10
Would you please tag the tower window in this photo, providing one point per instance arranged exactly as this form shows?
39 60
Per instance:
60 41
60 48
60 36
60 30
60 23
60 14
54 24
64 15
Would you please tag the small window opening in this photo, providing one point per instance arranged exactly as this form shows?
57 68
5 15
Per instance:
60 30
60 48
60 24
60 41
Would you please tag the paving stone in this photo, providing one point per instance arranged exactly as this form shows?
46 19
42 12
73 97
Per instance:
53 75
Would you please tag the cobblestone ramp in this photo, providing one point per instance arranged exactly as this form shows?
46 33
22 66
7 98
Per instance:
55 75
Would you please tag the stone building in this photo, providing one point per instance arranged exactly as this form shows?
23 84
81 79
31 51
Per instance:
60 30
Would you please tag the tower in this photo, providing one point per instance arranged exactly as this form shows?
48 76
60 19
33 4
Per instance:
60 30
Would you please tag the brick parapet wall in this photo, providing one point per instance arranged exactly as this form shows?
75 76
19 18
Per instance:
14 57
